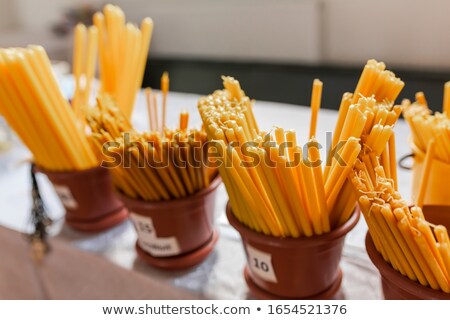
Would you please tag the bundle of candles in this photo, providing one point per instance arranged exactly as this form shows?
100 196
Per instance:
152 107
414 247
155 166
377 81
84 63
369 114
123 49
35 108
372 123
269 195
277 195
430 132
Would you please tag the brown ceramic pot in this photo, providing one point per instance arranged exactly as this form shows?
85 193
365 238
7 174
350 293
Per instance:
89 199
175 234
293 268
437 215
395 285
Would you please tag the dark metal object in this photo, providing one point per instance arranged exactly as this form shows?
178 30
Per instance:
40 220
401 161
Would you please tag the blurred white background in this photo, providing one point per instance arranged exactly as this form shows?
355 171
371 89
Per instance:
338 32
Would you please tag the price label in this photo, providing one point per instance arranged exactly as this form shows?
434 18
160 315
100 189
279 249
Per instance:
261 264
149 240
161 247
144 226
66 197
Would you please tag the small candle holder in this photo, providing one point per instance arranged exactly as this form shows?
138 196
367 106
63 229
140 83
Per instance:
293 268
175 234
89 199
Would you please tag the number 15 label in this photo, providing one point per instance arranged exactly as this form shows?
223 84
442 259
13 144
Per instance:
261 264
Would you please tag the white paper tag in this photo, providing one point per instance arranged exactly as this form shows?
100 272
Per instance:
161 247
261 264
144 226
150 242
66 197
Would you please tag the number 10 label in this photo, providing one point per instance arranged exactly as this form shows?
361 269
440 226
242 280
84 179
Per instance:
261 264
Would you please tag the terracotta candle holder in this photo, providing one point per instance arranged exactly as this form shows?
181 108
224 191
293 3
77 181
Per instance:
175 234
293 268
89 199
395 285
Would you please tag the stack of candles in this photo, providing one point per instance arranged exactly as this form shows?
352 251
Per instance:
430 134
428 130
84 63
123 49
157 166
277 195
372 123
377 81
369 114
152 107
270 193
34 106
414 247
